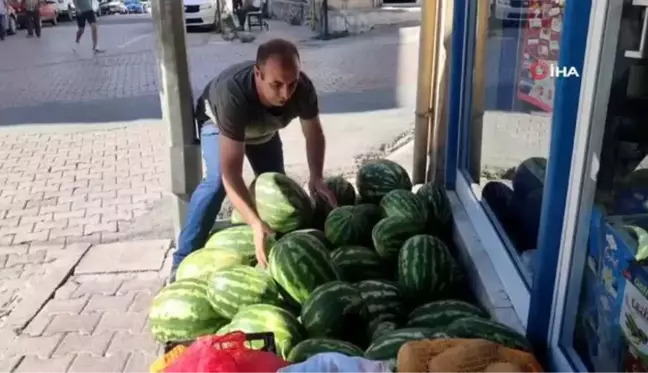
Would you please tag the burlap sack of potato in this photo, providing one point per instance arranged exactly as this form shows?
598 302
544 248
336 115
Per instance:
462 355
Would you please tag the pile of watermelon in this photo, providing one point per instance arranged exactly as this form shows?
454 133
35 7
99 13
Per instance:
360 279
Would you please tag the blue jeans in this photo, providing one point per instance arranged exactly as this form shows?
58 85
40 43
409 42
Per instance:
208 197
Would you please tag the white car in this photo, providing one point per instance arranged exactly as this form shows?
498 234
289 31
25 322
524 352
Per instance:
66 9
201 13
510 10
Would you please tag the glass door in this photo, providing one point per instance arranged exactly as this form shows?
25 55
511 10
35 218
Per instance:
600 318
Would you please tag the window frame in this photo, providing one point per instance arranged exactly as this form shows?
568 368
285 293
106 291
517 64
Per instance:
528 303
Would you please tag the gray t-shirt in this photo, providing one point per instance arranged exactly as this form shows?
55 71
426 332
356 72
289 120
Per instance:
232 102
83 6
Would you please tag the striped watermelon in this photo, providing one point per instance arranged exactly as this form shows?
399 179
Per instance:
181 312
348 225
300 263
381 326
261 318
202 263
404 204
386 346
357 263
424 267
238 286
238 238
376 178
441 313
390 234
345 195
280 202
315 233
438 206
309 347
477 327
381 297
335 310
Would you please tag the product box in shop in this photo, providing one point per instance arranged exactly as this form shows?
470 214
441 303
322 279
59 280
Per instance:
622 299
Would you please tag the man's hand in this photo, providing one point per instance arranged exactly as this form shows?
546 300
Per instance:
317 187
261 234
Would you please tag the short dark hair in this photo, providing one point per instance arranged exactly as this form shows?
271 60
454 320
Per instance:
284 49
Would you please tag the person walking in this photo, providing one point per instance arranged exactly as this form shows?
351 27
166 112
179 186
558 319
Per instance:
240 113
85 14
3 18
32 14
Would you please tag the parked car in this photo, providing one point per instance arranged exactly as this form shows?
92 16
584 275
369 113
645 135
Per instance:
66 9
95 8
11 21
134 6
112 7
48 13
201 13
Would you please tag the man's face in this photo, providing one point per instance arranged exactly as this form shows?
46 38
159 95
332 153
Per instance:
277 81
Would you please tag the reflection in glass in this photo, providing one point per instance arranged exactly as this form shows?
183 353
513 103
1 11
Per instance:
513 100
611 328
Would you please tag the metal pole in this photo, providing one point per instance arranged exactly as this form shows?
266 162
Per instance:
177 103
326 19
424 108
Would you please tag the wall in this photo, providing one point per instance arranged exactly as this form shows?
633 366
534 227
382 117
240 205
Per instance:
292 11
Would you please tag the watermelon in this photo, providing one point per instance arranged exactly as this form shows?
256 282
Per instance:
381 297
309 347
202 263
370 212
424 267
348 225
441 313
181 311
437 205
357 263
477 327
261 318
300 263
239 286
344 192
381 326
315 233
404 204
238 238
386 346
390 234
376 178
335 310
280 202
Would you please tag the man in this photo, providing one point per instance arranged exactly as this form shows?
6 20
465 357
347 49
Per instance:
85 13
240 113
32 14
246 7
3 18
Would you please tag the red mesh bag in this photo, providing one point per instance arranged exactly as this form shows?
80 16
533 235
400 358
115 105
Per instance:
228 353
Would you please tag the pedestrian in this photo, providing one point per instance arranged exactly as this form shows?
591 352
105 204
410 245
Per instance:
3 18
85 14
240 113
32 15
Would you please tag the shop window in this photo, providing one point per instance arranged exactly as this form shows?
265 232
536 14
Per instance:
506 146
608 325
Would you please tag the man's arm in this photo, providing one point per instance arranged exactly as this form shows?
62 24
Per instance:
232 153
315 145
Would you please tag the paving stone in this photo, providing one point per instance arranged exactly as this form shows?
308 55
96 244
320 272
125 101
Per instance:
97 287
31 364
128 342
151 286
141 302
95 345
140 362
9 364
133 322
85 363
124 257
69 306
109 303
38 324
83 324
41 347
